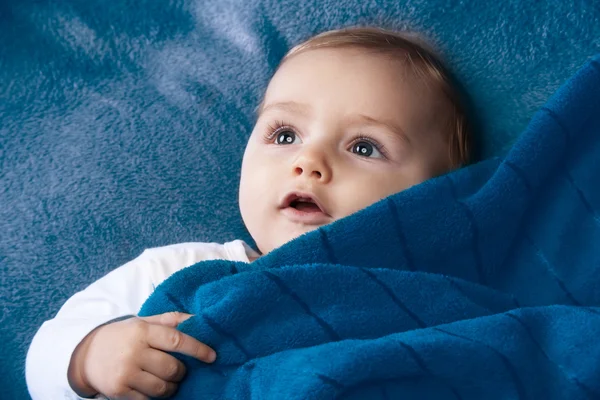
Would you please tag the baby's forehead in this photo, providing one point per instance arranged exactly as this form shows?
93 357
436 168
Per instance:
350 78
354 65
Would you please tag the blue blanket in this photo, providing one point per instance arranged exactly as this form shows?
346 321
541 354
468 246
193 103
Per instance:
482 284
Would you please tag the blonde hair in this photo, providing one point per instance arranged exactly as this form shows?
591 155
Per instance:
424 63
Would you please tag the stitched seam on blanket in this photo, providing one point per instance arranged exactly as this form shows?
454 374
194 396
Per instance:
394 298
559 122
233 268
401 237
474 232
328 248
178 305
566 373
218 329
331 382
582 197
592 310
457 288
509 367
519 172
285 289
551 270
426 370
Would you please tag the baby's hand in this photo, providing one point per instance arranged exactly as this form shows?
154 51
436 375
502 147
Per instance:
128 360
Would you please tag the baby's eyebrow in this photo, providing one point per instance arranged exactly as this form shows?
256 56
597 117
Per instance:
390 125
291 106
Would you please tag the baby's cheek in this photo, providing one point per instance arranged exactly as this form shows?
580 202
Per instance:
255 175
355 200
374 190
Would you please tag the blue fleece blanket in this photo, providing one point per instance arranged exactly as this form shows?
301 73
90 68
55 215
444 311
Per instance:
482 284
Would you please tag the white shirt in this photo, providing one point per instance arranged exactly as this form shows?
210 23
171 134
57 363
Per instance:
119 293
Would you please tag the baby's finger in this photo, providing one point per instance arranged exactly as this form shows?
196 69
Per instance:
152 386
169 339
168 319
131 395
162 365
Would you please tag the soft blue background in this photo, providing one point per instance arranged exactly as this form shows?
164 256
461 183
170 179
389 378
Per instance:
122 123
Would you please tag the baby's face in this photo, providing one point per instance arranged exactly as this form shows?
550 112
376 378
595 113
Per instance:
339 130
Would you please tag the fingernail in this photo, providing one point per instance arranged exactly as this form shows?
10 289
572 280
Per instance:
212 356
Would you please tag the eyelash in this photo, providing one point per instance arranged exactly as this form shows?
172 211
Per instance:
279 126
274 129
366 138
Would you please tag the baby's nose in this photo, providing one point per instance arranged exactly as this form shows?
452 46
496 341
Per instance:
316 173
313 166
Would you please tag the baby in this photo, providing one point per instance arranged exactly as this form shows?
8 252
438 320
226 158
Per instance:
350 117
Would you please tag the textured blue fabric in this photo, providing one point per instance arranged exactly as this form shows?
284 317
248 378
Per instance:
482 284
122 123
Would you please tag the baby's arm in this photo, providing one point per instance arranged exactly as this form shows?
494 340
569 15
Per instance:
120 293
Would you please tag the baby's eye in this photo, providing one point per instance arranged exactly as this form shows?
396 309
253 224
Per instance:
366 149
286 137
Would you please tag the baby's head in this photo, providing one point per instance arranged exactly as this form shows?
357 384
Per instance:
349 118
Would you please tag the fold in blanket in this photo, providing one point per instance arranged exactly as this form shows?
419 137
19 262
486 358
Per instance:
484 283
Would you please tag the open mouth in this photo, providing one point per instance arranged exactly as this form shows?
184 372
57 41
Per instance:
305 205
302 202
304 209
